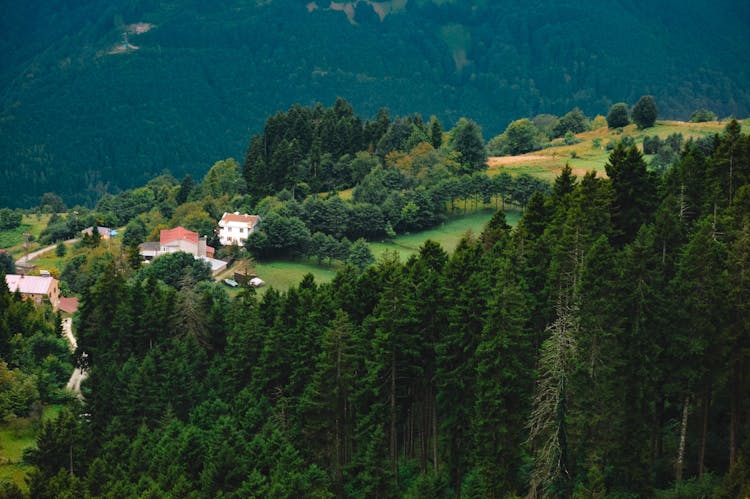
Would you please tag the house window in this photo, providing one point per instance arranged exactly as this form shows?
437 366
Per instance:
242 229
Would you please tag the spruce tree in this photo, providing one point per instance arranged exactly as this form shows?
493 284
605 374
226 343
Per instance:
634 190
455 376
504 358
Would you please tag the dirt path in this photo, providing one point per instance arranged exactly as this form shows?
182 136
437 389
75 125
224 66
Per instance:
74 383
513 160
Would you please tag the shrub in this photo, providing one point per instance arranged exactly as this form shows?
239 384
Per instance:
570 138
10 219
702 115
574 121
61 249
599 121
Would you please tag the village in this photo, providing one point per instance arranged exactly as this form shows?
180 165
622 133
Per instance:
233 229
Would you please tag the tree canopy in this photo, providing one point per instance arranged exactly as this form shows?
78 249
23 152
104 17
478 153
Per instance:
645 112
617 116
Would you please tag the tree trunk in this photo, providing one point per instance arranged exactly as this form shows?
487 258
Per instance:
434 433
393 437
731 174
679 465
733 427
704 430
659 450
339 439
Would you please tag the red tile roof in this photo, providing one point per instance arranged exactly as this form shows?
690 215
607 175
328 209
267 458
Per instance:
166 236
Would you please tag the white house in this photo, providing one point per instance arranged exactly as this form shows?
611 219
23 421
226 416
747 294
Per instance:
235 228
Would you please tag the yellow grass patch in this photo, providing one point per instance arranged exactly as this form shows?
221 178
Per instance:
548 163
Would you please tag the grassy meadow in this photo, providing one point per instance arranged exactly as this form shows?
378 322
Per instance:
585 156
448 234
12 240
15 437
282 274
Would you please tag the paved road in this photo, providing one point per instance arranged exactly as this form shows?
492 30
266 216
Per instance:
74 383
36 254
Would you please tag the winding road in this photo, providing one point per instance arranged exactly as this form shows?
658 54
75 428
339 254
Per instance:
36 254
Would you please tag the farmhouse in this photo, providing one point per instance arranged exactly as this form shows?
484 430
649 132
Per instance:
235 228
36 288
174 240
104 232
181 239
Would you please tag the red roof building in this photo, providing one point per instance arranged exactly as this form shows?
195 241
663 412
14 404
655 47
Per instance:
167 236
177 239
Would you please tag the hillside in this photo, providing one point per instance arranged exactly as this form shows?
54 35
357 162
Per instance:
595 345
590 152
84 110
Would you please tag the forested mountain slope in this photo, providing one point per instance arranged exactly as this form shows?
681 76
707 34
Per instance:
84 110
600 348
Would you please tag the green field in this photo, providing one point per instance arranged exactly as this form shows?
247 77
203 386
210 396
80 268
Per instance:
447 234
283 274
13 239
14 439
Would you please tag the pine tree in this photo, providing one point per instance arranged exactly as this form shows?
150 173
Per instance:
455 376
436 133
739 336
504 358
634 190
427 282
643 337
549 419
327 404
701 287
596 407
394 350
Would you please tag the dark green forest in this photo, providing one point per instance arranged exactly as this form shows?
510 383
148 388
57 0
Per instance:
80 122
599 348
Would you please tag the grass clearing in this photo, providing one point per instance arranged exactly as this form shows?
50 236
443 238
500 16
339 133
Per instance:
282 274
16 437
12 240
585 156
447 234
55 264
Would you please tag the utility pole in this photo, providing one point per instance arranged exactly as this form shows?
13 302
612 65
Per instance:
26 237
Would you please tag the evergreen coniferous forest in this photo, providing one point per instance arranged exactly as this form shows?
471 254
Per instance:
599 348
101 96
